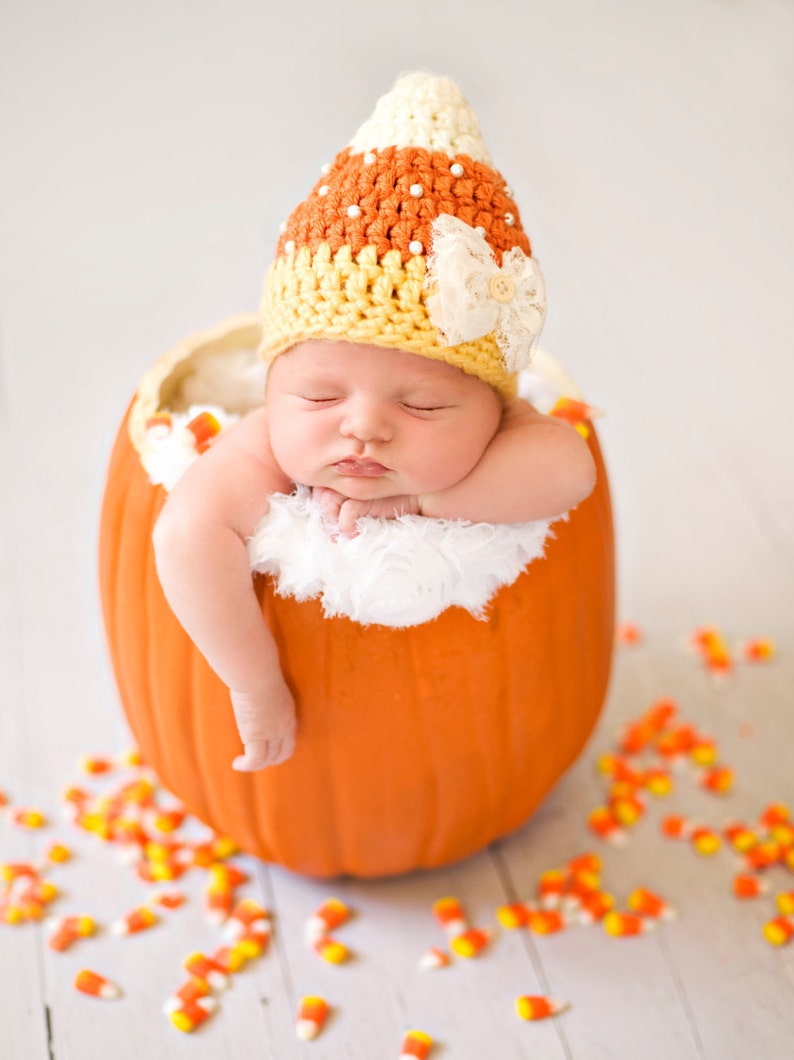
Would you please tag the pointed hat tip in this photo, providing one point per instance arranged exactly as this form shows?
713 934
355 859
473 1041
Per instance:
423 110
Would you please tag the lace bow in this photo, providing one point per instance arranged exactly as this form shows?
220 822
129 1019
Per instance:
471 296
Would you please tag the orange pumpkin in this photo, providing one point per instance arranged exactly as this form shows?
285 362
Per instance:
417 746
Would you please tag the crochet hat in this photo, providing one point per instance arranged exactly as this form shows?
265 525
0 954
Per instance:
410 239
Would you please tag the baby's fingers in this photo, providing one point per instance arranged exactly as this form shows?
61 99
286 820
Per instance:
259 754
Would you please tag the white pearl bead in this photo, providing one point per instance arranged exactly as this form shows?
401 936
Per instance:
415 246
480 230
417 191
354 211
323 190
283 226
369 158
456 169
325 168
509 219
289 246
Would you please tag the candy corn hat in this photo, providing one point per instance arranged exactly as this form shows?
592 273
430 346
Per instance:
411 239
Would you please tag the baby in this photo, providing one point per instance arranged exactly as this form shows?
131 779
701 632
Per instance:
391 386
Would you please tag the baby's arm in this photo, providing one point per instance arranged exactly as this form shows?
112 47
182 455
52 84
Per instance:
534 467
202 562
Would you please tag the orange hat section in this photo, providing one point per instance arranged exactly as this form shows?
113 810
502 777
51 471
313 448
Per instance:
367 200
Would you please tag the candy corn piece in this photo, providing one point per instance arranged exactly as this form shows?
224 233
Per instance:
624 925
658 782
595 906
779 931
15 870
470 943
718 780
171 898
546 921
66 930
513 915
326 918
204 428
95 985
537 1007
247 915
746 885
647 903
192 1014
416 1045
330 949
311 1017
705 841
739 836
433 958
589 861
58 853
605 825
27 817
202 967
551 887
252 943
189 991
774 813
450 916
628 633
137 920
785 902
230 959
573 411
95 766
758 649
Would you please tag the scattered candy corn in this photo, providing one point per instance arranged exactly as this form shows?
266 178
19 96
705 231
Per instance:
470 943
449 914
331 914
416 1045
537 1007
95 985
433 958
311 1017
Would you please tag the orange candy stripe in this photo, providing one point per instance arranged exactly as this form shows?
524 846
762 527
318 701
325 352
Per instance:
390 217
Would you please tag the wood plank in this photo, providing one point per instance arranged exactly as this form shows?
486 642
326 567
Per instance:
22 1012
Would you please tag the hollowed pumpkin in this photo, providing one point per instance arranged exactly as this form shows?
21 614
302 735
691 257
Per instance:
417 746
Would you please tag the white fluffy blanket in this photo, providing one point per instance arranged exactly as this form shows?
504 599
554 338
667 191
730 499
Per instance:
396 572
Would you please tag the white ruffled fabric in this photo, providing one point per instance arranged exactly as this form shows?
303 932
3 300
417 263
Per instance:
396 572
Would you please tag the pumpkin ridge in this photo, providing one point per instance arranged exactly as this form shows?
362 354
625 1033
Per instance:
424 844
124 613
149 581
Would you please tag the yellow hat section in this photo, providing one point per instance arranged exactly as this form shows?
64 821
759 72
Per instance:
364 300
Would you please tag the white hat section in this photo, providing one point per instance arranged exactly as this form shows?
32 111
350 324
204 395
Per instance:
423 111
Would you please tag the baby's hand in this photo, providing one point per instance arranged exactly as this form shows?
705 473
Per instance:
342 513
266 723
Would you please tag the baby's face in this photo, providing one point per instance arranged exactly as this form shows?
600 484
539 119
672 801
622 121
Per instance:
372 422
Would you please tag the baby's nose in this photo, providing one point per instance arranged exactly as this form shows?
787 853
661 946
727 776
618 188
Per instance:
367 421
